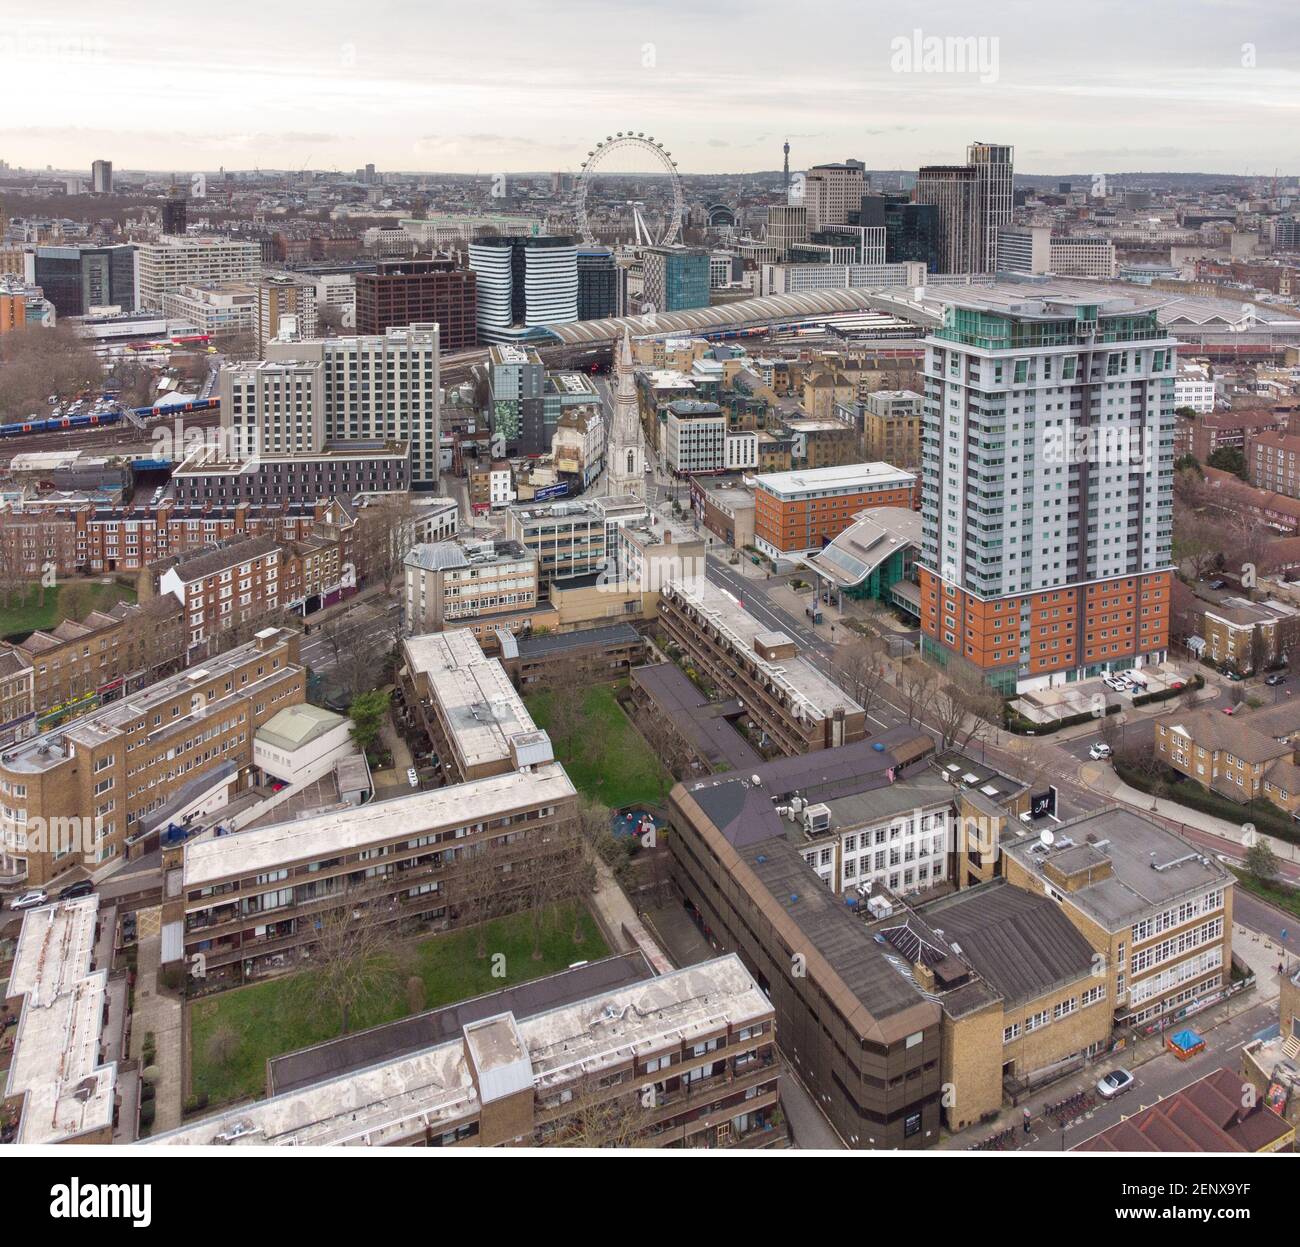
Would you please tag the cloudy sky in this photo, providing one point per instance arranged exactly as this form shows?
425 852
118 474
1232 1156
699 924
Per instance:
1089 86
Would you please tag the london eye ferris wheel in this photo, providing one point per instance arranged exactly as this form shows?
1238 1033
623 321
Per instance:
624 153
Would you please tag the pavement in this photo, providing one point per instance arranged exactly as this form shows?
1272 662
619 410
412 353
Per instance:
163 1015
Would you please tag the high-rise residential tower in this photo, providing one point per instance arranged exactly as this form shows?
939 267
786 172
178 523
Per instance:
1047 499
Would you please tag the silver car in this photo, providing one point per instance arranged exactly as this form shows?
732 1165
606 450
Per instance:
1115 1083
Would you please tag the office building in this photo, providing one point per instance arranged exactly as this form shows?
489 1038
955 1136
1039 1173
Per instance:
77 277
427 291
831 192
695 436
602 284
994 201
174 212
101 177
864 1031
798 512
524 283
170 262
226 309
1158 912
891 422
474 584
1047 484
950 190
912 232
516 382
676 279
787 225
973 200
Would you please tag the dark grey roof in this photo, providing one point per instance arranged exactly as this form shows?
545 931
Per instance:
745 812
197 564
832 927
1020 942
703 723
557 642
334 1057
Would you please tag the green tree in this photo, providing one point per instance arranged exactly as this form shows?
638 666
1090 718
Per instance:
1229 459
367 713
1261 862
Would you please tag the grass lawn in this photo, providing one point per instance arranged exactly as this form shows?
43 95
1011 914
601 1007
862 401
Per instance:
609 759
281 1015
1279 894
46 607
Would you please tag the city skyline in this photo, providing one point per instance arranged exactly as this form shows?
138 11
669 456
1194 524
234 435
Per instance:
421 91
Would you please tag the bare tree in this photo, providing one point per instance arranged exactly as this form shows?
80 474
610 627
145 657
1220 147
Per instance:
864 665
354 963
476 886
916 684
963 709
37 362
605 1114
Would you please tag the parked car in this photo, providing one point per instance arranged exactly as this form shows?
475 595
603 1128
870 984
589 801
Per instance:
1115 1083
1099 750
29 899
1231 710
1218 584
83 887
1235 676
1274 680
411 777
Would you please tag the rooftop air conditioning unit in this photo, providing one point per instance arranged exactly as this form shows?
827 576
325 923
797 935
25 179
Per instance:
817 818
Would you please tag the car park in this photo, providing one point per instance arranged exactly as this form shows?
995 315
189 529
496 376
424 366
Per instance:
1099 751
1115 1083
30 899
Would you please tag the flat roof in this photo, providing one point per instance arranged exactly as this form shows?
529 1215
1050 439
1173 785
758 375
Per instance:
1150 867
347 1053
39 753
844 476
56 1061
349 830
819 695
481 708
434 1088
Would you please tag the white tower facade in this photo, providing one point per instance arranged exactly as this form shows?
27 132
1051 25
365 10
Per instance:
625 455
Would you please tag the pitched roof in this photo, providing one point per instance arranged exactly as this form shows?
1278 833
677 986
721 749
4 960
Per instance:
1212 729
1019 941
1205 1117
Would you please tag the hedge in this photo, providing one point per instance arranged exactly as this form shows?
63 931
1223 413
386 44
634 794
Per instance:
1264 814
1198 682
1021 726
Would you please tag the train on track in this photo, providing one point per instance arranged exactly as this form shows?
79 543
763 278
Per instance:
105 417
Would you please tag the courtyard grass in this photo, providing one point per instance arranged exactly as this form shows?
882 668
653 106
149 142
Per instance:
45 606
281 1015
608 759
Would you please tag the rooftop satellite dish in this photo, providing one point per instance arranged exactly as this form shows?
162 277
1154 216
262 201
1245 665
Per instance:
1046 838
